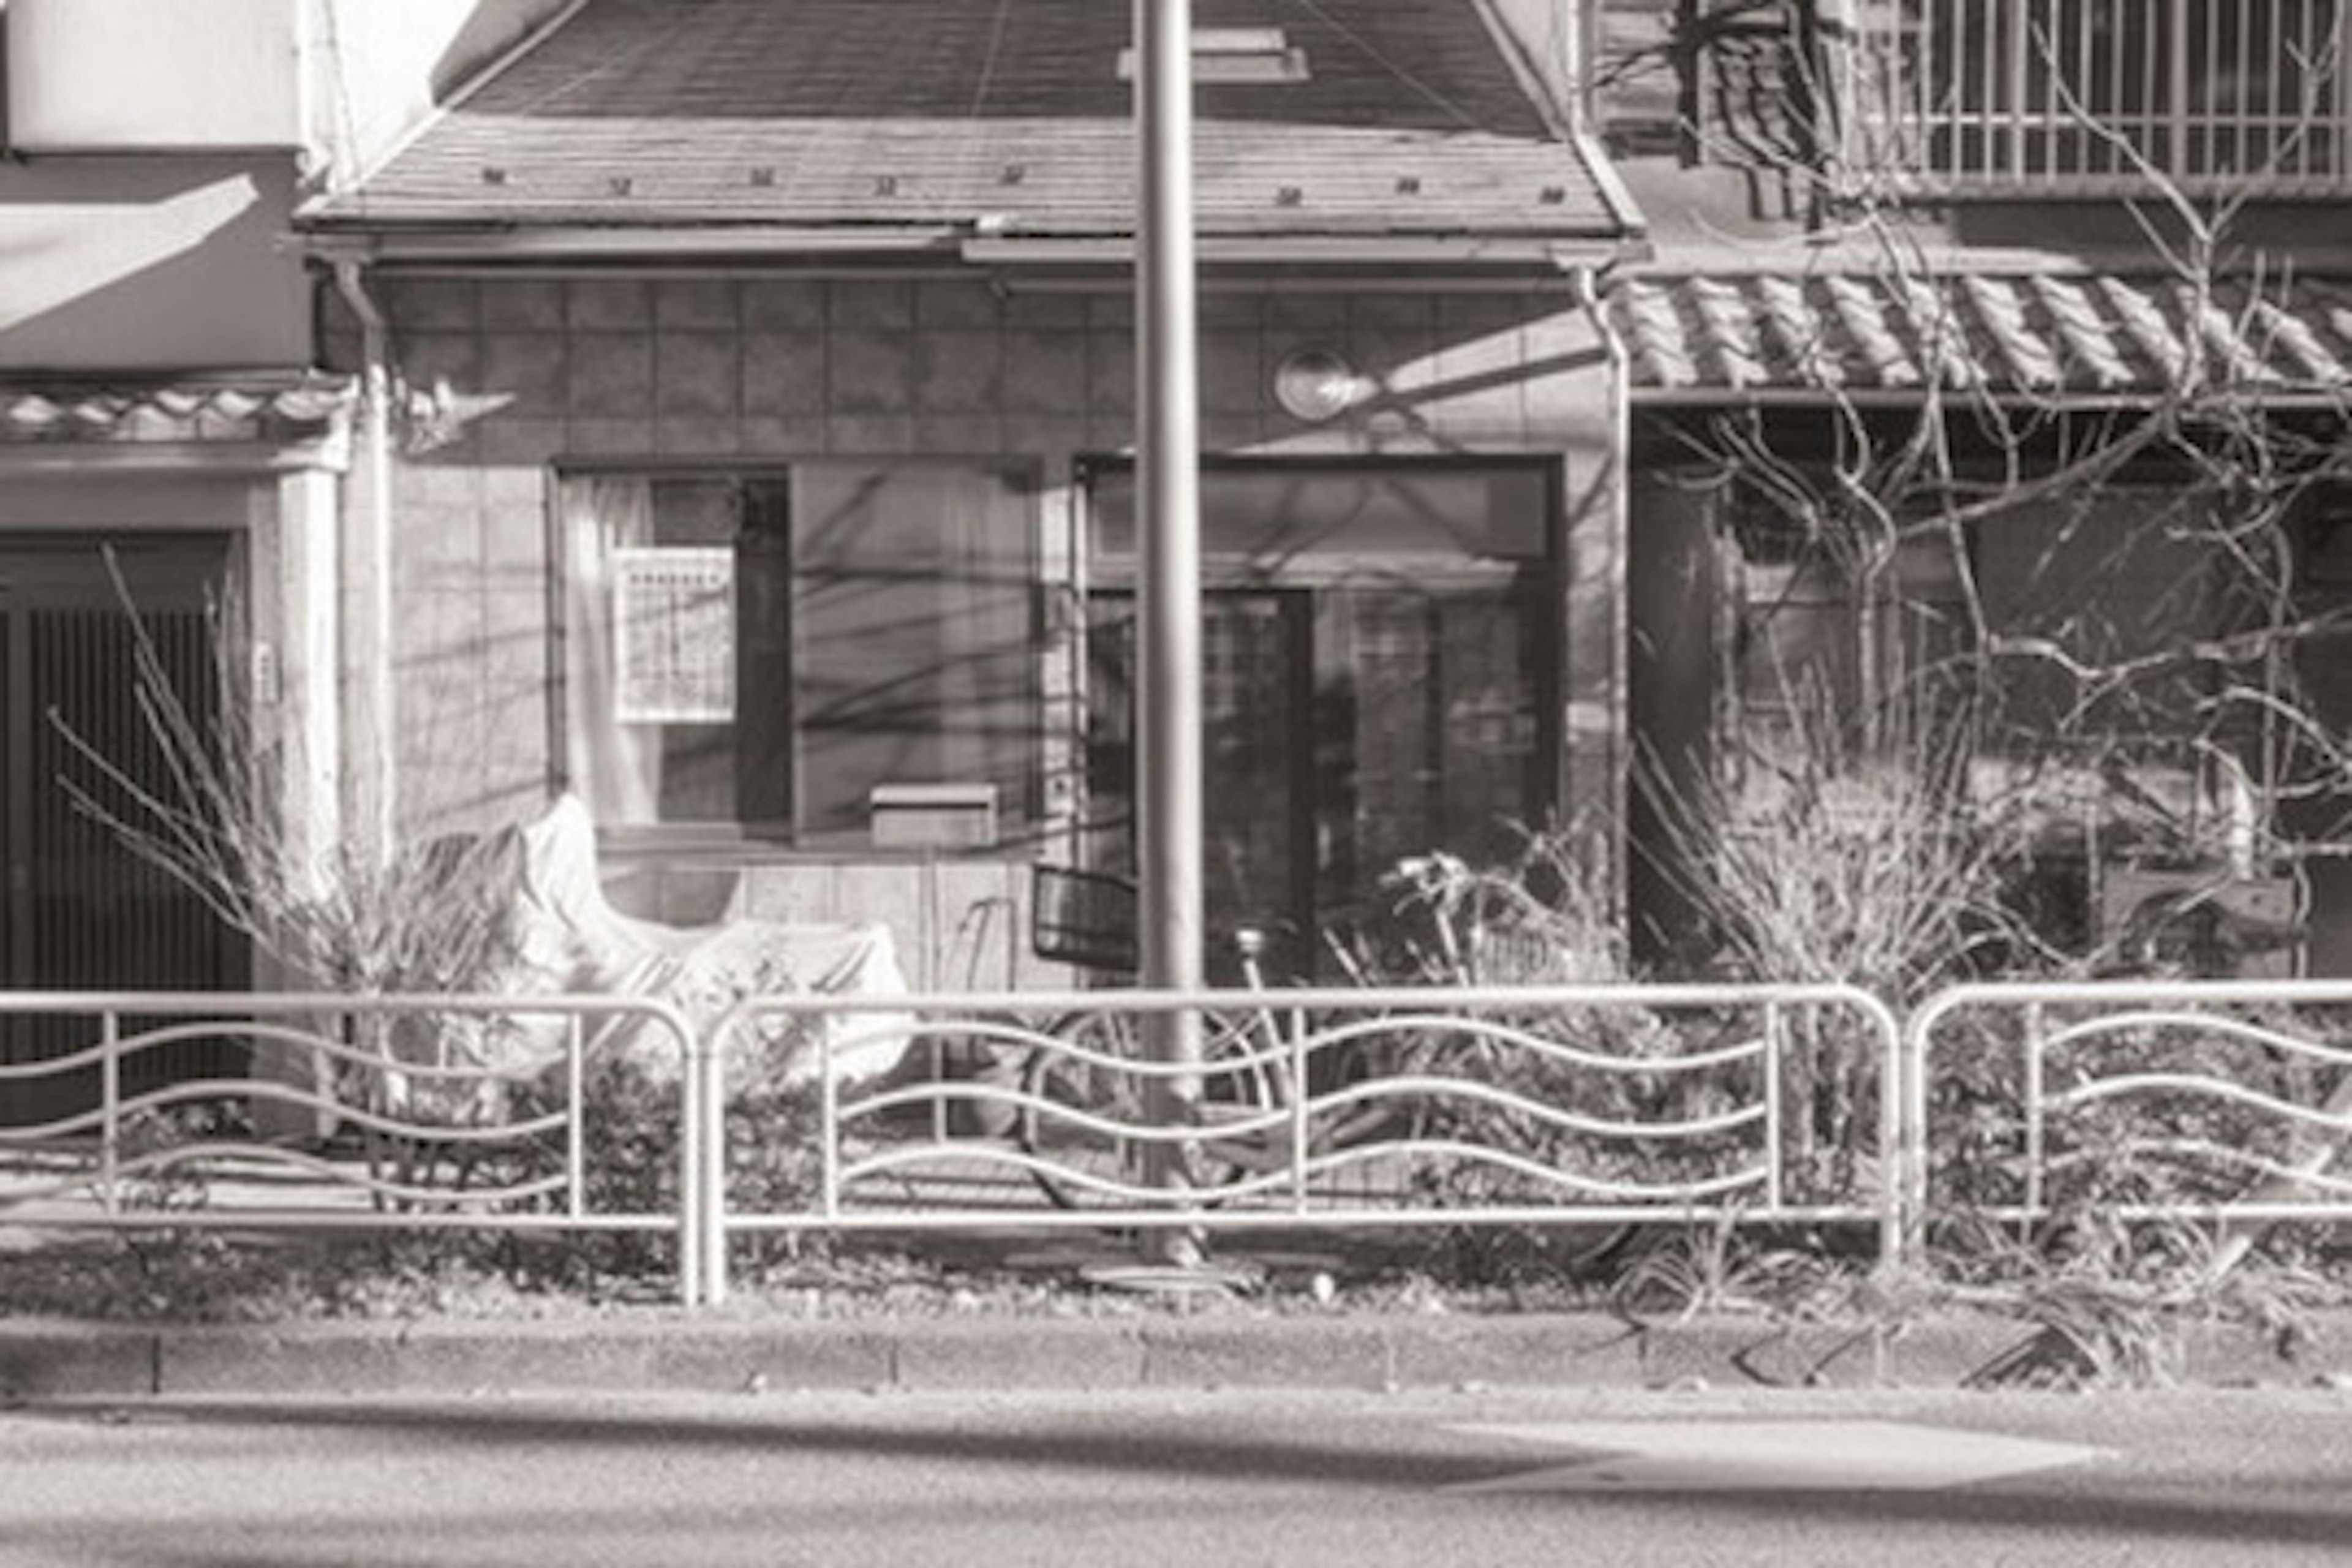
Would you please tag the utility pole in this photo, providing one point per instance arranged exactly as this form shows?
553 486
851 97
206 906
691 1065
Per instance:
1169 775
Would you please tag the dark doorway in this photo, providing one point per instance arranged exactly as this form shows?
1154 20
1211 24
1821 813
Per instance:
81 910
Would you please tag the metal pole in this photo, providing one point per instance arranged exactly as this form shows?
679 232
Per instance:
1169 789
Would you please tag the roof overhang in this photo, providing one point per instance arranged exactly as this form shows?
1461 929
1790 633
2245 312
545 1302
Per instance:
266 421
766 245
2084 338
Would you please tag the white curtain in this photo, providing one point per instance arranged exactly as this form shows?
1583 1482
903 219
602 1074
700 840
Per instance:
614 767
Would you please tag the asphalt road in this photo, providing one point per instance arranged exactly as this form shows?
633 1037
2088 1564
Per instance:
1476 1478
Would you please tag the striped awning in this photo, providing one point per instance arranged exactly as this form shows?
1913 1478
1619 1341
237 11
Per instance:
260 406
2081 334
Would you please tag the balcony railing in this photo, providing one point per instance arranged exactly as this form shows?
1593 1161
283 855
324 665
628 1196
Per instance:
2089 97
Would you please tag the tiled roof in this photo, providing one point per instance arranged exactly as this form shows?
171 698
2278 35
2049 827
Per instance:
261 406
2041 332
919 113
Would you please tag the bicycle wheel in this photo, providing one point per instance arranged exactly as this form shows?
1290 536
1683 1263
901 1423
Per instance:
1072 1150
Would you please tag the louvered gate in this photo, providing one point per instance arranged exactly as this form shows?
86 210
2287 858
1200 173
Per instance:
81 911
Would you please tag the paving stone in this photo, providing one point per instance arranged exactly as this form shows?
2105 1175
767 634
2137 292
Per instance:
1584 1351
1022 1354
1302 1352
57 1360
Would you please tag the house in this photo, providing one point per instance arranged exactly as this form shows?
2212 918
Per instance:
760 459
1999 354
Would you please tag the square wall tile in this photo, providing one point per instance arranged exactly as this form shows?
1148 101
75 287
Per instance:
608 305
1044 373
709 302
783 373
782 439
696 434
432 304
958 371
786 303
611 375
957 303
870 434
697 374
871 306
522 305
1231 382
871 372
529 368
427 359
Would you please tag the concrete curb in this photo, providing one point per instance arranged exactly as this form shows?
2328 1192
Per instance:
55 1359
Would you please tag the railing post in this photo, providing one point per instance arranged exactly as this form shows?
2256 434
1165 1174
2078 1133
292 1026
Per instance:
109 1100
1296 1046
710 1186
1773 1109
1910 1204
2034 1143
828 1130
575 1127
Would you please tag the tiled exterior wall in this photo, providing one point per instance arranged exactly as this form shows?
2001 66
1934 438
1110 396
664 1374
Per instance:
713 369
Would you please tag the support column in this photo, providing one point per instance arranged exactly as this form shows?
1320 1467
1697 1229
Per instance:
1169 776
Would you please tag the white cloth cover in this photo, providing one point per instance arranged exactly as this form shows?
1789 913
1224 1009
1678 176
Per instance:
565 936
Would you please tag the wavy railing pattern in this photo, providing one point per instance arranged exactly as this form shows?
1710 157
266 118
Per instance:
372 1116
2215 1100
1338 1107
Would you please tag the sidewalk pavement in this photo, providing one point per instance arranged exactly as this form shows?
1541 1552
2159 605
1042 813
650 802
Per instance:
1217 1347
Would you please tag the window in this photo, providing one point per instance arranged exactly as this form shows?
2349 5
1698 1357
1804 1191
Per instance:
762 649
1816 639
1380 673
2070 95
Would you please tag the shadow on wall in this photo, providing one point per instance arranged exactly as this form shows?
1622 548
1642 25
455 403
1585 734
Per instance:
118 265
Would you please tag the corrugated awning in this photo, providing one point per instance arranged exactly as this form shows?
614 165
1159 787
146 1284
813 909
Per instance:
2081 334
261 406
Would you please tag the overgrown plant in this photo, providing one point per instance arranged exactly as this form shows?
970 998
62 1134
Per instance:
206 807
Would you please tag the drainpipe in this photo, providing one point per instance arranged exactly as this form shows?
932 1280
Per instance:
375 562
1586 281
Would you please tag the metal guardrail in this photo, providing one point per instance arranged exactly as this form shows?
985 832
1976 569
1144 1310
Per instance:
1336 1108
402 1134
2046 1097
1328 1108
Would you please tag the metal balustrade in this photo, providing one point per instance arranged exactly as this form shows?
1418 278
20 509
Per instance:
1336 1108
1329 1109
2216 1100
2100 97
399 1130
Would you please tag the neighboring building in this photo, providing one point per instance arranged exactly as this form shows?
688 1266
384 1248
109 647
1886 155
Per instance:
1866 212
773 369
161 398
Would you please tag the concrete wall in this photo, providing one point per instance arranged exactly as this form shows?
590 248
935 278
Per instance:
117 75
720 370
116 263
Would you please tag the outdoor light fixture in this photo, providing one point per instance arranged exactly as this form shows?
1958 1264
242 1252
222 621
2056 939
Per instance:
1315 384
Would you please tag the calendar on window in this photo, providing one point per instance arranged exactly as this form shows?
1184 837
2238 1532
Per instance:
674 630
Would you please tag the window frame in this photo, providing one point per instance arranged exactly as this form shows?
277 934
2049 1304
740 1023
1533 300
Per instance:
789 835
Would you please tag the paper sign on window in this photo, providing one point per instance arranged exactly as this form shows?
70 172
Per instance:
674 629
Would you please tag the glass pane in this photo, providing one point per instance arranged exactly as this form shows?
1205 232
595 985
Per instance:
698 761
2114 579
912 627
